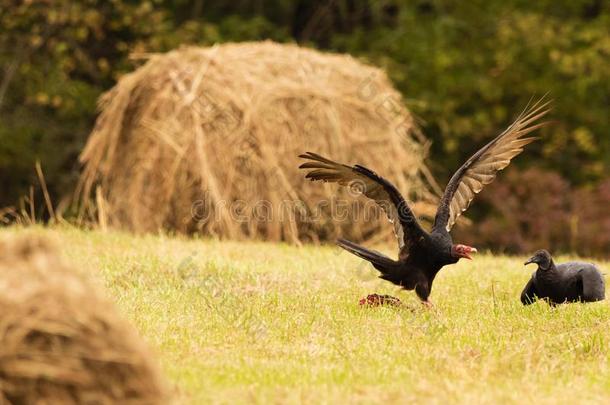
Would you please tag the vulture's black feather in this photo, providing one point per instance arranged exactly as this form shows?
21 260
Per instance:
422 254
567 282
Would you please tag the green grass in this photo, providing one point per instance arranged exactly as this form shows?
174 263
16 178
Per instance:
256 322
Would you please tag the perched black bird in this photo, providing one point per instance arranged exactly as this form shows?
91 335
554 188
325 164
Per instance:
422 254
567 282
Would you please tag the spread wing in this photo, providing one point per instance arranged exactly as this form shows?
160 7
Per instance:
482 167
375 187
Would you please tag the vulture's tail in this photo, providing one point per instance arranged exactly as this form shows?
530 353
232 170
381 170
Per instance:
381 262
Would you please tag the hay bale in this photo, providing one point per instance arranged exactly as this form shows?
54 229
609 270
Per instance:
60 342
206 140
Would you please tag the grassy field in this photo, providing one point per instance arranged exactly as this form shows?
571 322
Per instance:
255 322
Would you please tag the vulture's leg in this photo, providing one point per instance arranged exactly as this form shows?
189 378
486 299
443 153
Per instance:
528 296
423 292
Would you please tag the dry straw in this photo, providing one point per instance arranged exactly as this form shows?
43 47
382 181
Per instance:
60 342
206 140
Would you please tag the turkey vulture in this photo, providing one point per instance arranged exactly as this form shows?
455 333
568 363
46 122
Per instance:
422 254
567 282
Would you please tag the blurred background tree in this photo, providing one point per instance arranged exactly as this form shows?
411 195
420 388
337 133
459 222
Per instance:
465 69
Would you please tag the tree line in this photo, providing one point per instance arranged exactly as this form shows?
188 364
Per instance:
465 70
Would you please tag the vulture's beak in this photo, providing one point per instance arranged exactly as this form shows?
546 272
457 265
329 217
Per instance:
530 261
462 251
466 251
471 250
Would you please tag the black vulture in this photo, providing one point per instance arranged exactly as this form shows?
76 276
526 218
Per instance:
422 254
567 282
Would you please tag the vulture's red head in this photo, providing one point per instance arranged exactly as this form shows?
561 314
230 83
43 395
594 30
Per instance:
464 251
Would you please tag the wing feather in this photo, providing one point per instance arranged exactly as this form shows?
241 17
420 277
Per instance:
373 186
482 168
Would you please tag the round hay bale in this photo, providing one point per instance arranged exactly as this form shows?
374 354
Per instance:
206 140
60 342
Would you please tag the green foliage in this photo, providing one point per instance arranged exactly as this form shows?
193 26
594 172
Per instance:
530 209
470 67
58 57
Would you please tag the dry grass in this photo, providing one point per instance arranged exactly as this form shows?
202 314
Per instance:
225 124
60 342
272 323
